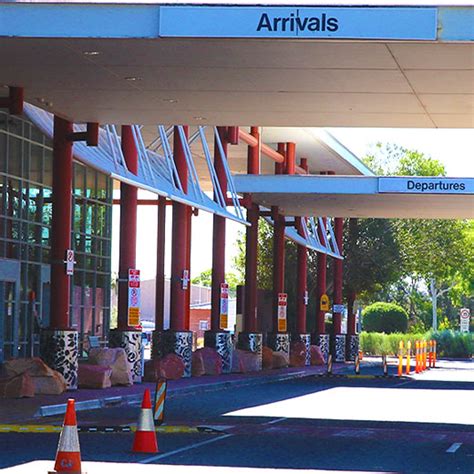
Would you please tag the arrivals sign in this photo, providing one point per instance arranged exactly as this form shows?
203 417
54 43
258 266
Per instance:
413 185
304 22
224 306
465 319
133 297
282 305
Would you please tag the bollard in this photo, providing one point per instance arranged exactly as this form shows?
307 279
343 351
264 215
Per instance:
430 354
384 365
434 353
159 403
425 346
357 365
329 369
417 357
408 357
400 359
361 355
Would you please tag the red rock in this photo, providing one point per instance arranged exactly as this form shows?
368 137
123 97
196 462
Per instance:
197 365
297 354
212 361
237 365
317 357
94 376
279 360
267 358
34 366
18 386
170 367
51 385
246 361
116 359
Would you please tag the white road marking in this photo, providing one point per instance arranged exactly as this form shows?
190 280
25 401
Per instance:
185 448
454 447
275 421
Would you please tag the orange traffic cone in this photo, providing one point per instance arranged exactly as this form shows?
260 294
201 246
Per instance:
68 455
145 436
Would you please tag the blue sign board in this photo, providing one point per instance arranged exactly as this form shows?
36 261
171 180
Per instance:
286 22
413 185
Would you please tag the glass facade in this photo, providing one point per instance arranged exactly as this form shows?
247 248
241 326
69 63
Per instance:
25 238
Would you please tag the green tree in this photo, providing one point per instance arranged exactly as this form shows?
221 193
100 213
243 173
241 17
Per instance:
205 279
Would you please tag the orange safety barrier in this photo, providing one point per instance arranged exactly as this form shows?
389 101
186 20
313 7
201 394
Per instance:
417 357
400 359
408 358
145 436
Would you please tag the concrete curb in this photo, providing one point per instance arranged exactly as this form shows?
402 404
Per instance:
97 403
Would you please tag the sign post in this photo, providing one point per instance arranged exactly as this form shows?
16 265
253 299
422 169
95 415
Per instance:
224 306
465 319
133 297
282 305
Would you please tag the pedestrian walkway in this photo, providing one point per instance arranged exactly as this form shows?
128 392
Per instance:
37 408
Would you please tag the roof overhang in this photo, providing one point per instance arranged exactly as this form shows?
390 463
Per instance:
363 196
147 64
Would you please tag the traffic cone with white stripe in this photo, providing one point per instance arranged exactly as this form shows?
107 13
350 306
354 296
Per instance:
68 455
145 436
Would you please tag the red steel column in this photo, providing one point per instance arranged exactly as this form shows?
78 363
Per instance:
337 317
160 266
351 297
218 235
61 222
302 276
251 244
278 246
128 226
321 283
180 243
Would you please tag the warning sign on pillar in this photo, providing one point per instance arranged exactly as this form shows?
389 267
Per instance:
224 306
306 297
133 297
282 305
324 303
69 262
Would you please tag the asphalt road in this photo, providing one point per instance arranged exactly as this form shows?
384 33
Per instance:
382 425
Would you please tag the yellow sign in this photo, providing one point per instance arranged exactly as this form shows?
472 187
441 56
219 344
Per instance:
282 325
324 303
133 316
223 321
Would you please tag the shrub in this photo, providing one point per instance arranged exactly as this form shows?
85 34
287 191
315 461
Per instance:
384 317
453 343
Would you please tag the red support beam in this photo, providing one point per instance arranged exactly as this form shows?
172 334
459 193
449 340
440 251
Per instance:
160 266
251 243
218 235
128 226
180 244
321 282
61 223
337 298
14 101
351 296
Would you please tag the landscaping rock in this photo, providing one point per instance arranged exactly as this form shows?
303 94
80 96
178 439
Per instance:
116 359
212 361
317 357
94 376
297 354
170 367
34 366
279 360
267 358
50 385
197 365
237 365
18 386
245 361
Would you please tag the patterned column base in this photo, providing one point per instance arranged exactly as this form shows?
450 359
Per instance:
222 343
251 341
322 341
131 341
279 342
306 338
179 343
157 344
59 350
352 346
338 347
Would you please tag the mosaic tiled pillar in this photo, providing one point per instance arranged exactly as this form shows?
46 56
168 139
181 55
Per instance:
131 341
352 346
181 344
222 343
157 344
322 341
279 342
59 350
338 347
306 339
252 342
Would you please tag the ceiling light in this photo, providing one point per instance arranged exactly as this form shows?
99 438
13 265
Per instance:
91 53
133 78
40 100
199 118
